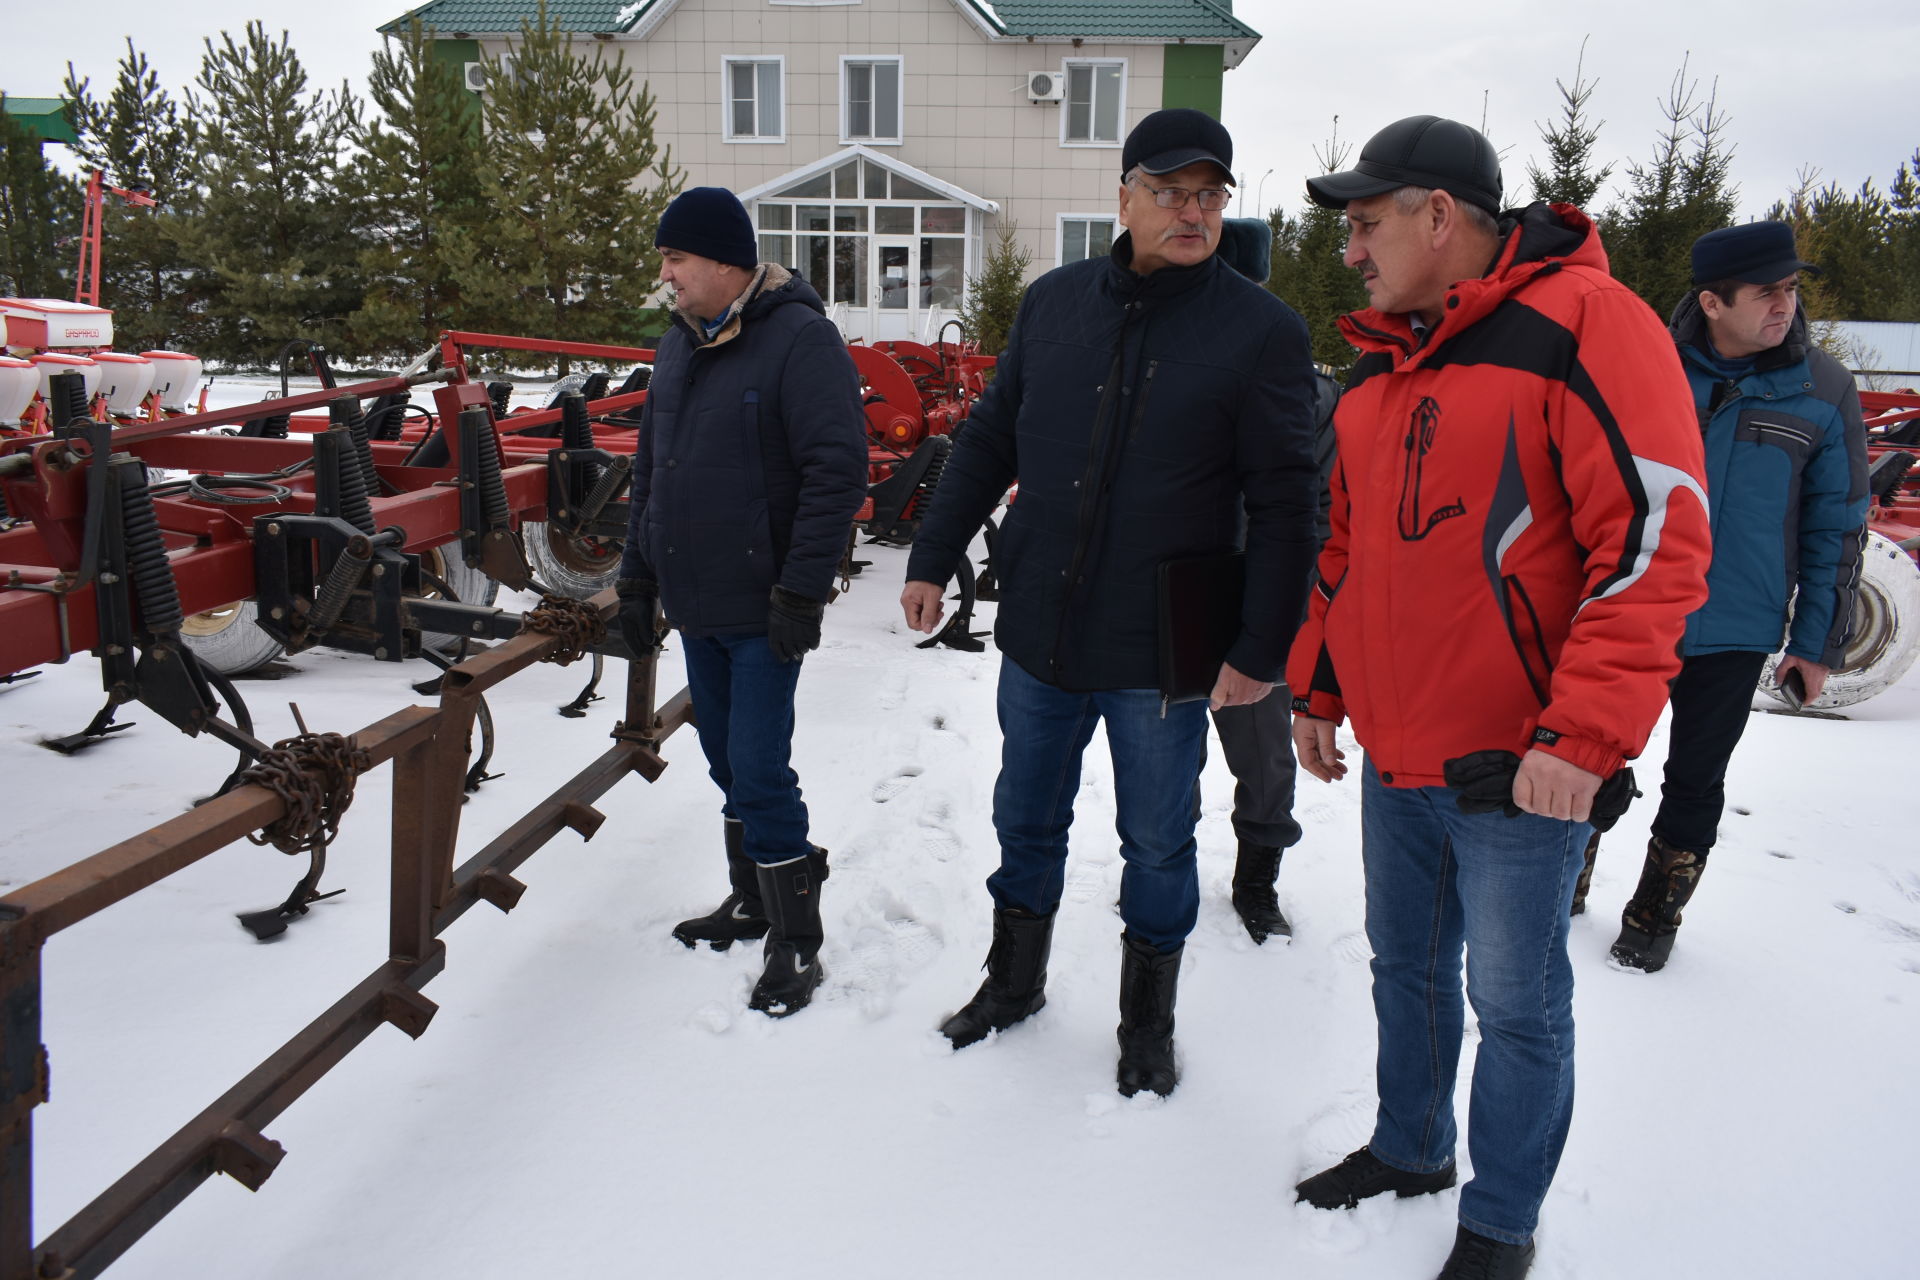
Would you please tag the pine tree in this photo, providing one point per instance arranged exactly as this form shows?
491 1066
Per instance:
575 185
1846 237
39 216
1570 177
415 178
140 141
993 296
1903 241
266 229
1308 271
1673 200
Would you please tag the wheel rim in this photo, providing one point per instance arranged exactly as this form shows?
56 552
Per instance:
213 621
585 555
1873 628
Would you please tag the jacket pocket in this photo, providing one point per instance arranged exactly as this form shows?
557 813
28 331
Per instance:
1529 644
1794 436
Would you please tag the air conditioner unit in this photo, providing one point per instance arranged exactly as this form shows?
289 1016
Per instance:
1045 86
476 76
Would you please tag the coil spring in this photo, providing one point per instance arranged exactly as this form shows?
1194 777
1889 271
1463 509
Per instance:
606 488
923 495
486 464
154 589
345 412
576 432
347 572
355 506
498 395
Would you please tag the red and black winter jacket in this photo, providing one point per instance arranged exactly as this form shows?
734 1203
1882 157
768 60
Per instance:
1519 528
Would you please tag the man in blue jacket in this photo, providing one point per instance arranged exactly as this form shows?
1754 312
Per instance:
752 462
1143 401
1787 487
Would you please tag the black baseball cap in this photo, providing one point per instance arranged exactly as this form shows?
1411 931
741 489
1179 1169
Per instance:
1420 151
1174 138
1754 253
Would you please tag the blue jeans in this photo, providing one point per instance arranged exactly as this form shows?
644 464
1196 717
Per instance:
1156 786
743 710
1439 880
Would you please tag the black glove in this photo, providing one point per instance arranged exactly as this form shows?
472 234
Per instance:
639 600
793 624
1484 780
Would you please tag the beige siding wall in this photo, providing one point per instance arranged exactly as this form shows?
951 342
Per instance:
966 118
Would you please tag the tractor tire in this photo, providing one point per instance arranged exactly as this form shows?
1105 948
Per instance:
229 639
1886 630
579 568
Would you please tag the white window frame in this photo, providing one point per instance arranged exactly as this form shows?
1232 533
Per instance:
895 138
1060 231
727 64
1120 117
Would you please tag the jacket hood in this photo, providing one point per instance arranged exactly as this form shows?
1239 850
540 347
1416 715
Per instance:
1536 241
772 286
1688 326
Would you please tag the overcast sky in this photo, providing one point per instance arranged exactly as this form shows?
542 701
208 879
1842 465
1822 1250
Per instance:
1833 85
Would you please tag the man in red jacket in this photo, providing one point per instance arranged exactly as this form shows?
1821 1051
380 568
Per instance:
1519 531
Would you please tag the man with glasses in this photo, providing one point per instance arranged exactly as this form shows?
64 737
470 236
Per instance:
1144 401
1518 533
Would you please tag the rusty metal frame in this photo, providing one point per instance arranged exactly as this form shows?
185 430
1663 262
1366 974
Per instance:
428 748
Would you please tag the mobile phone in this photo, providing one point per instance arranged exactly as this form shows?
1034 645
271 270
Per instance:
1793 687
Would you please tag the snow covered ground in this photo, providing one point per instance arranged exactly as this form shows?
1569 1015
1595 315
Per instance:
594 1100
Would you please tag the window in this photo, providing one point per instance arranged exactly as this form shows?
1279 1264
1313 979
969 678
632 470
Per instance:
1093 107
1084 236
868 237
753 92
870 99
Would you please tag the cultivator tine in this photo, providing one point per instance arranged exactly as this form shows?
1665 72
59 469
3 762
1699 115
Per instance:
578 707
99 729
273 922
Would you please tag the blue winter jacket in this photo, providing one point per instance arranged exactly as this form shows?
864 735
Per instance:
752 460
1139 414
1787 488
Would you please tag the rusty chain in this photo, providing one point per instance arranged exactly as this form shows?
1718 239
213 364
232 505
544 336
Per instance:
313 774
577 624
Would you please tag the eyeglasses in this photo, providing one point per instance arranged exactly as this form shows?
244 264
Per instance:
1211 199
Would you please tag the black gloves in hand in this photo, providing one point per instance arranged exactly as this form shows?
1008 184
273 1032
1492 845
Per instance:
793 624
639 600
1484 780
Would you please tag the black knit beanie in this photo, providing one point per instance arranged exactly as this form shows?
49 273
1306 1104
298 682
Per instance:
710 222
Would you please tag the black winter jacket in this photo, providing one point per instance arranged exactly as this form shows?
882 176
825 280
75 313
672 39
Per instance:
1138 414
752 460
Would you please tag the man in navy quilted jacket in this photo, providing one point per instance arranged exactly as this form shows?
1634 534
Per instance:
752 462
1144 401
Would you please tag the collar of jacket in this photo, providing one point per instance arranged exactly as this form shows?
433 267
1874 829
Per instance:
768 281
1157 286
1688 326
1537 241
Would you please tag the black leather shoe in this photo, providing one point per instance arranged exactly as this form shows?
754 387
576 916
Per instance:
1475 1257
1363 1175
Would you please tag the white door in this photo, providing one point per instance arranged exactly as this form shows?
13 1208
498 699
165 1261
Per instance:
896 293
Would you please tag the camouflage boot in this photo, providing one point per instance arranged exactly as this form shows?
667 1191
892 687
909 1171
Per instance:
1585 882
1652 914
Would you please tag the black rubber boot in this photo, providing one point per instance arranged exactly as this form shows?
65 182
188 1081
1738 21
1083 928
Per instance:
1254 873
1585 882
1475 1257
1363 1175
1652 915
1016 985
1149 982
791 892
740 918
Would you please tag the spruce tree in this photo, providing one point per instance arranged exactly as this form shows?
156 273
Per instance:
1903 241
993 296
575 184
268 233
1308 271
1845 235
1674 199
139 140
416 176
1570 177
39 217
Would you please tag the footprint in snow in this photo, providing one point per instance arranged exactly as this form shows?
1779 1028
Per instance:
894 783
1352 947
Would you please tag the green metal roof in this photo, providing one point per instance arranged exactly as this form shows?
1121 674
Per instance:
45 116
1117 19
1153 20
476 17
